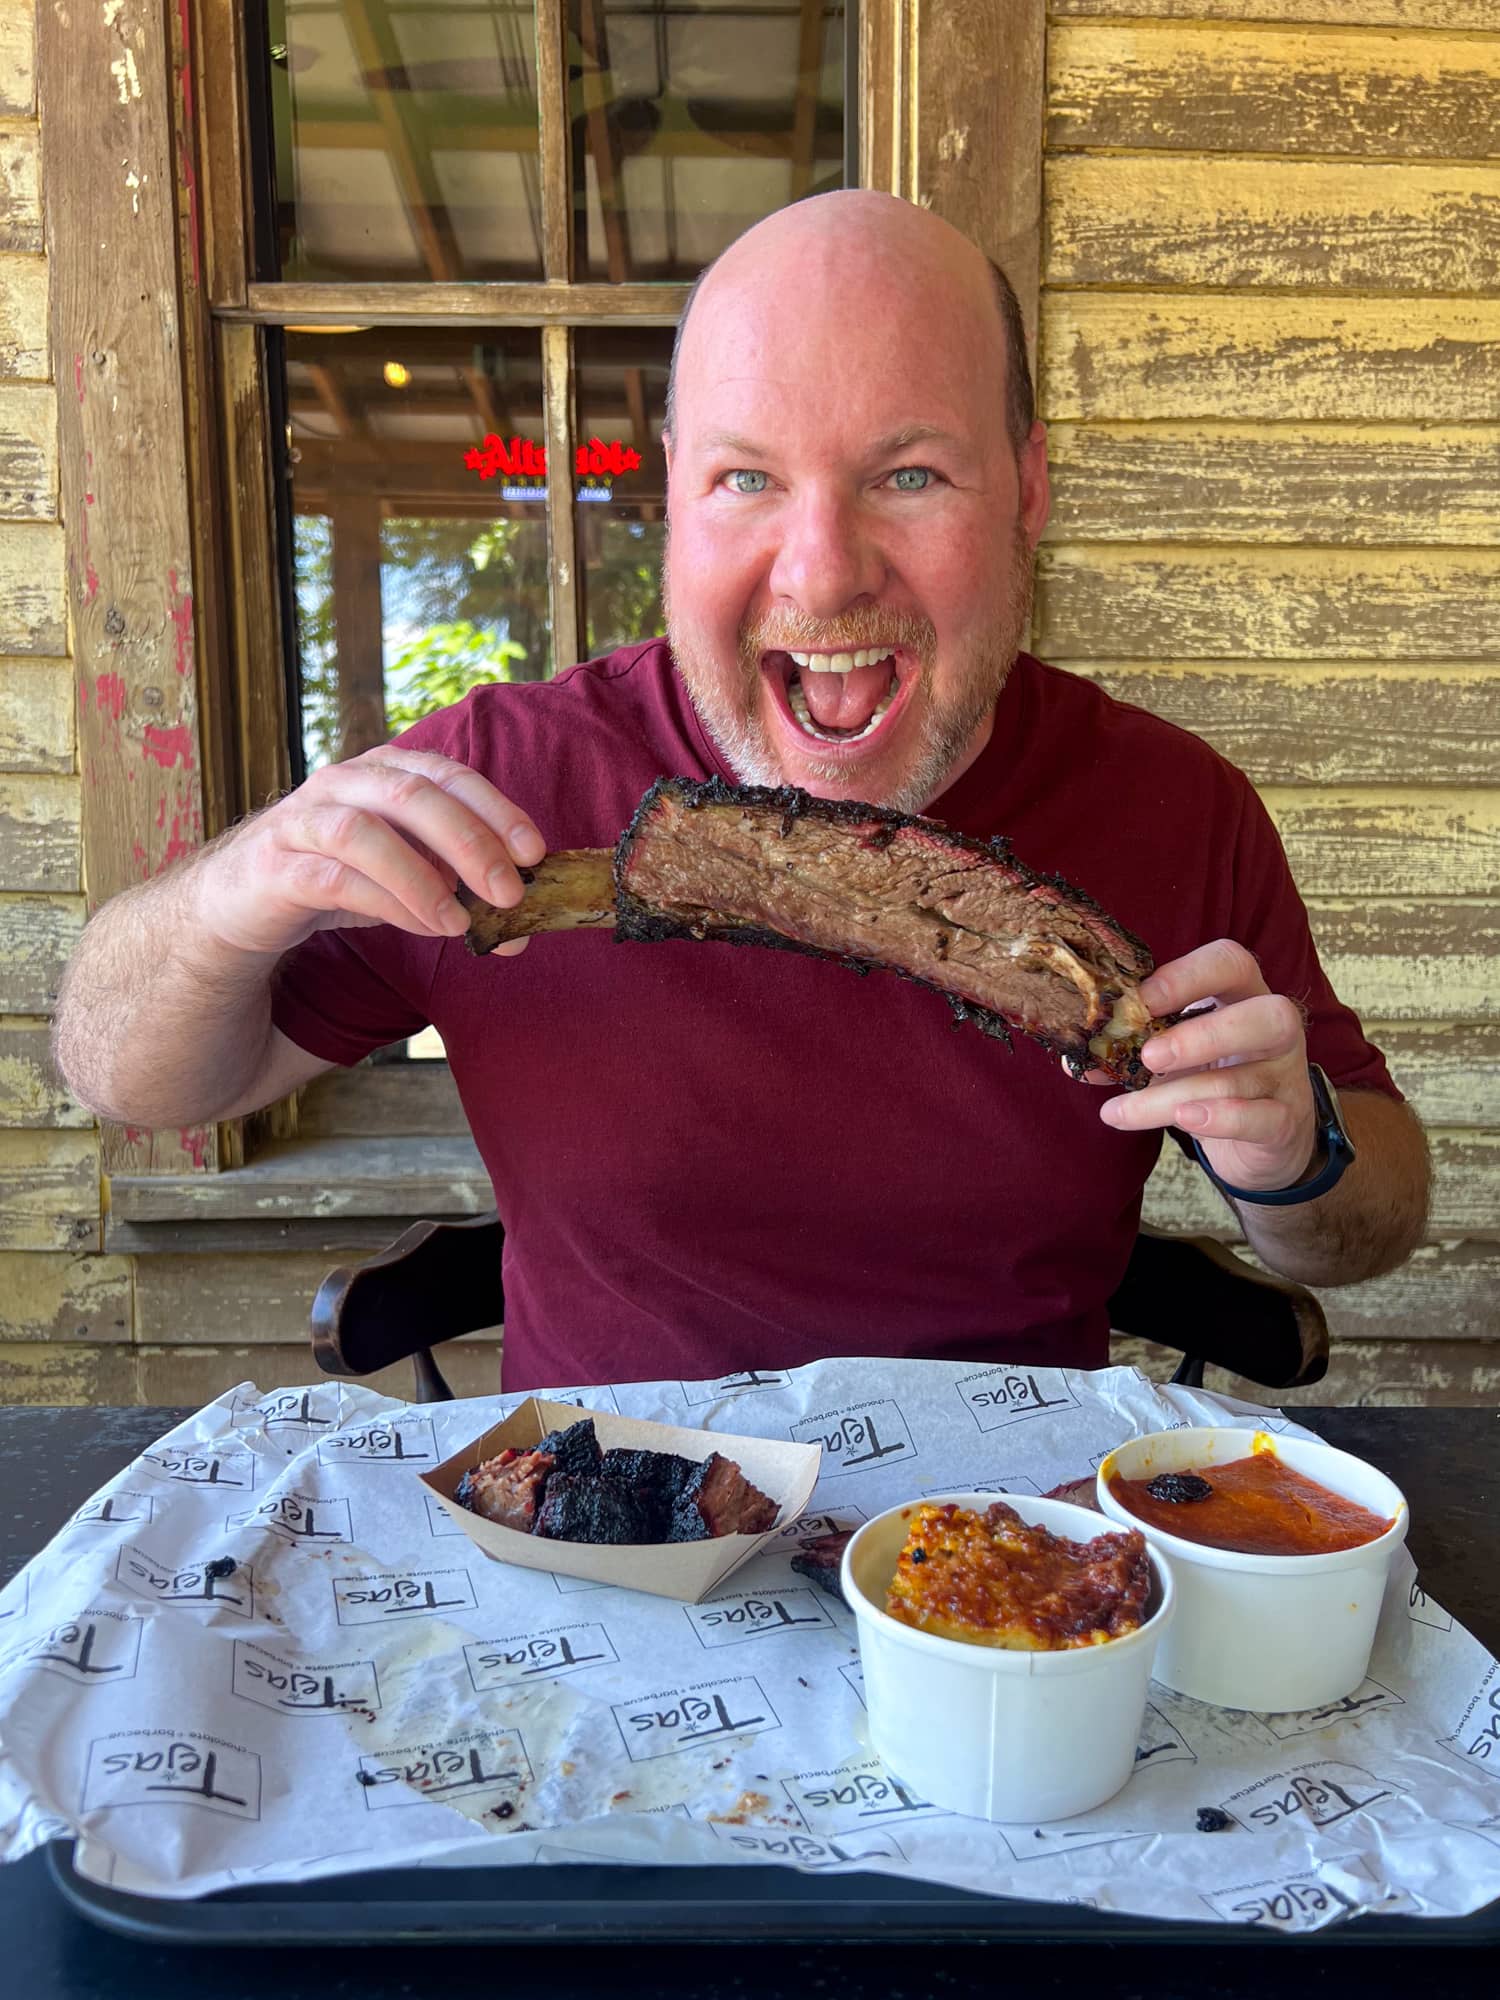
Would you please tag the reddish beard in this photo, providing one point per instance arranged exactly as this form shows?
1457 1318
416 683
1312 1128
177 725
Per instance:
944 730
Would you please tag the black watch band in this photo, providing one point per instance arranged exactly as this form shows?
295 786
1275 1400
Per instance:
1334 1139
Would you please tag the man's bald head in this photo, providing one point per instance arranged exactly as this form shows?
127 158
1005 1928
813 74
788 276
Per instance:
774 247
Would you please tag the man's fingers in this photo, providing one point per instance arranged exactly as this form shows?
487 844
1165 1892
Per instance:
1259 1121
1222 969
1261 1028
321 882
363 844
1152 1110
518 831
448 829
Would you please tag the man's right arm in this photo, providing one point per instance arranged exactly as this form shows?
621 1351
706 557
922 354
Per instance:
164 1017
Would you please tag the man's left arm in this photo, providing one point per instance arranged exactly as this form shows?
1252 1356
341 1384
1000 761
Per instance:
1235 1078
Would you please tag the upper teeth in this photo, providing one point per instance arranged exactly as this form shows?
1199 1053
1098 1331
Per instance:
841 663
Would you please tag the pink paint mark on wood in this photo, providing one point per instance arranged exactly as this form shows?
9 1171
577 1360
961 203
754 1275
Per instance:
182 618
134 1134
78 375
176 847
161 813
111 694
194 1143
167 745
89 499
83 696
90 584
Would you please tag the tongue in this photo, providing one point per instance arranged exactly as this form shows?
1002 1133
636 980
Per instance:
846 701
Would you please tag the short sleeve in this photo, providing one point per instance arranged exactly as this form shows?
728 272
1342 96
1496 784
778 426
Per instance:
341 994
1269 918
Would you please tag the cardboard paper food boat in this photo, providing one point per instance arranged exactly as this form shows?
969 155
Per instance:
787 1473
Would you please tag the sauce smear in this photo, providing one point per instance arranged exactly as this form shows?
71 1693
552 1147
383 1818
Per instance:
1256 1506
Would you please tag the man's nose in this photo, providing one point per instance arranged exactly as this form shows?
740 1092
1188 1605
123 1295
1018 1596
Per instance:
826 558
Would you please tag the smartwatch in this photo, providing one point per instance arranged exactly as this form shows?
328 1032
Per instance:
1333 1138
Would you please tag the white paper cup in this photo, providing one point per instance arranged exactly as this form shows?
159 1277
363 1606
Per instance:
1270 1633
986 1731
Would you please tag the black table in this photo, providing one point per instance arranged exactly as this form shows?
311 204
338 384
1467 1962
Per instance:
1446 1461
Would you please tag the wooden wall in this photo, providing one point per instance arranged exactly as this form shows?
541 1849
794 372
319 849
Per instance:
1270 365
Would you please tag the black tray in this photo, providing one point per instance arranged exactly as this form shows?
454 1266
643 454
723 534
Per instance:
580 1904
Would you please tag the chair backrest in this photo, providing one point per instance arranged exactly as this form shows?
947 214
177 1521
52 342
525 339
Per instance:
442 1279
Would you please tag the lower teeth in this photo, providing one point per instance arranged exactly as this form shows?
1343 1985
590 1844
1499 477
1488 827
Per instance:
798 700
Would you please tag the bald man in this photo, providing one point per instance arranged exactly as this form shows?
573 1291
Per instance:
709 1160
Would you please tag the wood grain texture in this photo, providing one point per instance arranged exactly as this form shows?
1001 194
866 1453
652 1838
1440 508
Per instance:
1418 1373
39 824
336 1239
1450 1070
1465 1193
37 933
1156 87
327 1178
382 1098
1095 600
23 318
1130 355
1444 1290
1416 960
397 303
1315 724
1351 485
60 1297
1380 842
17 59
20 190
1456 16
36 714
109 153
28 452
49 1191
32 1094
1195 219
58 1374
264 1298
192 1375
33 604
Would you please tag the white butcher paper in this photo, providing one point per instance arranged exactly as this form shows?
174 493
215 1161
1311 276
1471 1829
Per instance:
365 1688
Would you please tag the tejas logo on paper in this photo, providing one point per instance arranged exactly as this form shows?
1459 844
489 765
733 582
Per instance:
149 1767
234 1469
315 1409
853 1440
694 1394
121 1506
1366 1698
1301 1903
220 1583
725 1621
810 1528
998 1396
374 1600
299 1517
856 1796
1478 1733
1319 1794
404 1441
95 1647
805 1851
563 1649
492 1761
659 1725
304 1687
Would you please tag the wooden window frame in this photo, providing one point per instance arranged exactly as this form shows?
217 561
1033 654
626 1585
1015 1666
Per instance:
168 416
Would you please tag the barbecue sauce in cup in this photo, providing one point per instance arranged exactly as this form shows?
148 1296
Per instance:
1254 1506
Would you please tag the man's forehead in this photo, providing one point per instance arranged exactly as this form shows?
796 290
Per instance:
714 439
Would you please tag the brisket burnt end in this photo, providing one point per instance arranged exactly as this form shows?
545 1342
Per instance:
584 1507
821 1561
719 1500
505 1489
576 1450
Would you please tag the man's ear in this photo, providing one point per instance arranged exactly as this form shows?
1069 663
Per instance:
1036 485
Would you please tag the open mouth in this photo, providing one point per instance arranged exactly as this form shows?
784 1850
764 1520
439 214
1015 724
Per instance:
839 699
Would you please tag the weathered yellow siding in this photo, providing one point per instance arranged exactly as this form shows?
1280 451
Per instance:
1270 364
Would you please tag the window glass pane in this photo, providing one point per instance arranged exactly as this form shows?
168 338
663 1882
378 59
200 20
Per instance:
620 511
405 139
420 563
690 123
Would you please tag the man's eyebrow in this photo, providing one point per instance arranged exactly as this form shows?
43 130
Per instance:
881 447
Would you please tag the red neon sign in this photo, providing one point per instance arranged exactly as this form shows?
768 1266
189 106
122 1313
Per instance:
521 458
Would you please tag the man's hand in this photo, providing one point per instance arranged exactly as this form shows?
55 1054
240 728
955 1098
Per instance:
1233 1077
382 839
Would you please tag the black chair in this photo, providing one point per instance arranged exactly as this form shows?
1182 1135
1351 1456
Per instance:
442 1279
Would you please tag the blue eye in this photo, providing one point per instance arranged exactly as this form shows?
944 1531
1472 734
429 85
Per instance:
909 472
742 472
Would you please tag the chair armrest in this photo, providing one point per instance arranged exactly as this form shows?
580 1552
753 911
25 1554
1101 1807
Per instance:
436 1281
1191 1293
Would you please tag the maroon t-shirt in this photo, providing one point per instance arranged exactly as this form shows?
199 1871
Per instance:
709 1158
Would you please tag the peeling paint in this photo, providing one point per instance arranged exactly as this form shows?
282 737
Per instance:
122 69
133 180
111 694
166 745
112 11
